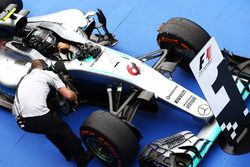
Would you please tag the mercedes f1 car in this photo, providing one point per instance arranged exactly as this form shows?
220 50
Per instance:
96 71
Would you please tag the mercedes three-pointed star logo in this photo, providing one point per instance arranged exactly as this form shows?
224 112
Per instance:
204 109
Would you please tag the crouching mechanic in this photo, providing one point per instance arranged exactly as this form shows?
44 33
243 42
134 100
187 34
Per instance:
32 114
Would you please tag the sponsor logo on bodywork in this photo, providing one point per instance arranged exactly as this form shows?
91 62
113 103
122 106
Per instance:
183 92
204 109
190 101
172 92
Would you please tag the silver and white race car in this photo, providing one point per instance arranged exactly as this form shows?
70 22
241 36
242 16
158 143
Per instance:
104 75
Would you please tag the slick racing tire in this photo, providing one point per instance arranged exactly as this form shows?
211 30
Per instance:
5 3
181 33
109 138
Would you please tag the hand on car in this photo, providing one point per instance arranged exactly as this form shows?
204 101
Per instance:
62 45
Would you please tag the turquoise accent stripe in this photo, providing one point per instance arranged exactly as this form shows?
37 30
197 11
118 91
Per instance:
240 85
245 95
88 59
243 91
203 152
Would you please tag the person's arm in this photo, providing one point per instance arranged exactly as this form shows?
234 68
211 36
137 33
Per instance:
63 45
67 46
58 84
67 93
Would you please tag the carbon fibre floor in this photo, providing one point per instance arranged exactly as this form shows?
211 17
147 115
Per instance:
134 23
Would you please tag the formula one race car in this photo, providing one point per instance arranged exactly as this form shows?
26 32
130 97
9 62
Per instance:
96 70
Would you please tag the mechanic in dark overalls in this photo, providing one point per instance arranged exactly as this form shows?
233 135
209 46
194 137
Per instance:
33 115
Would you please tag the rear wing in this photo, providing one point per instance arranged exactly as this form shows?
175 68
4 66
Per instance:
218 86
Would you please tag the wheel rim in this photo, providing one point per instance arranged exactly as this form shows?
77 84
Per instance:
100 150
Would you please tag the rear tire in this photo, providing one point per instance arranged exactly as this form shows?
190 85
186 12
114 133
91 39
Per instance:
181 33
109 138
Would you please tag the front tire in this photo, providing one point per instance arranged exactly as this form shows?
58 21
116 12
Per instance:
181 33
109 138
